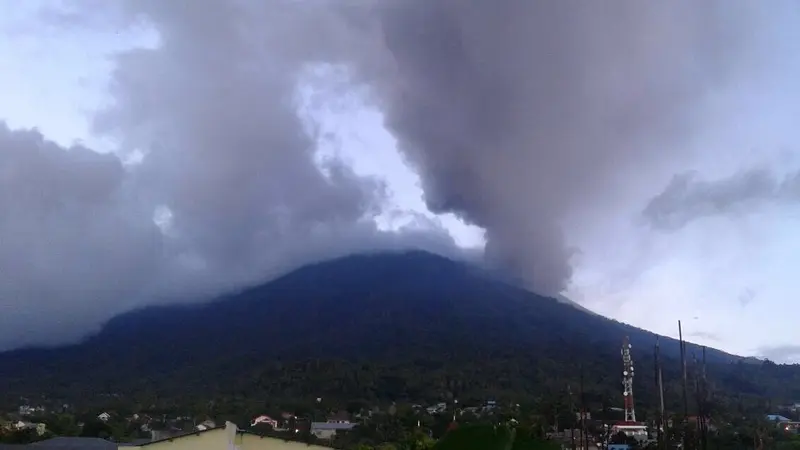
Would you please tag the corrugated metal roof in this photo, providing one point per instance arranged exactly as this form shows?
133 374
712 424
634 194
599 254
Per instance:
74 443
182 435
331 426
777 418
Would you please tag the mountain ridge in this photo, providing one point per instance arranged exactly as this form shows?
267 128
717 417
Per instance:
390 325
415 257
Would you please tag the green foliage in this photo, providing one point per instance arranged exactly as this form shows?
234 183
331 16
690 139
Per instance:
478 437
493 437
531 439
96 428
791 443
62 425
19 437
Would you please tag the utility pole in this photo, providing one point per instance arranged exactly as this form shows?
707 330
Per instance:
660 385
555 417
704 403
685 393
571 411
584 438
698 396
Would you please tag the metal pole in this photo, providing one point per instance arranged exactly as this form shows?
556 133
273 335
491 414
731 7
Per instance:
698 396
704 385
660 383
571 411
685 393
584 438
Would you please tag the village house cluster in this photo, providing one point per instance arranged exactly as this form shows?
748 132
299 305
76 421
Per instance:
158 430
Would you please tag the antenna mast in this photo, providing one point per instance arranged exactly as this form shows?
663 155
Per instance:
627 380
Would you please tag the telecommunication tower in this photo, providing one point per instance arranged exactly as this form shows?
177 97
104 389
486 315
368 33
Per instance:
627 381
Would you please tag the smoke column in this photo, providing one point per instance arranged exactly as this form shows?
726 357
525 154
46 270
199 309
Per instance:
523 117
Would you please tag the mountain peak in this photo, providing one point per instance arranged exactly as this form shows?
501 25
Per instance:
405 312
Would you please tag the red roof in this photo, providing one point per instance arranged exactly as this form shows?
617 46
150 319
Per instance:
629 424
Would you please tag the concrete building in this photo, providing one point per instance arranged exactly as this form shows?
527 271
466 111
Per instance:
228 437
635 430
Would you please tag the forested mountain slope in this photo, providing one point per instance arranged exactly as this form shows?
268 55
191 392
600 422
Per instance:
392 326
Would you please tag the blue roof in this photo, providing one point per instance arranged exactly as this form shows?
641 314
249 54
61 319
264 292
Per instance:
777 418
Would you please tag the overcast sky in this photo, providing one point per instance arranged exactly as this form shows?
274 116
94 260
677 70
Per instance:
640 158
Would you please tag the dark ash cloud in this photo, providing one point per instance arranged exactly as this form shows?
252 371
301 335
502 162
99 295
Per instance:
520 116
214 110
71 231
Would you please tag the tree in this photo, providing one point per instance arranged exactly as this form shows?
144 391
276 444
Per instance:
25 436
418 441
96 428
62 425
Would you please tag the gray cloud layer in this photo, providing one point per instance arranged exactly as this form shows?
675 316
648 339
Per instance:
687 198
213 108
781 353
70 232
519 116
78 243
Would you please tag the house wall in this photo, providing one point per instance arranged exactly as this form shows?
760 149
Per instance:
224 439
252 442
207 440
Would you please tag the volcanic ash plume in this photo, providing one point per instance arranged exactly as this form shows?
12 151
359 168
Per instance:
522 115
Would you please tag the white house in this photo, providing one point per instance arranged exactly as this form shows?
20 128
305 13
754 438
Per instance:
22 425
104 417
327 430
265 420
437 408
206 425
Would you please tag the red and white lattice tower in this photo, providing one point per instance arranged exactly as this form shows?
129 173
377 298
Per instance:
627 381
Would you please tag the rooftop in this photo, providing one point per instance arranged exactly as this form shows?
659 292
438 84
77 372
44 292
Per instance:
72 443
331 426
